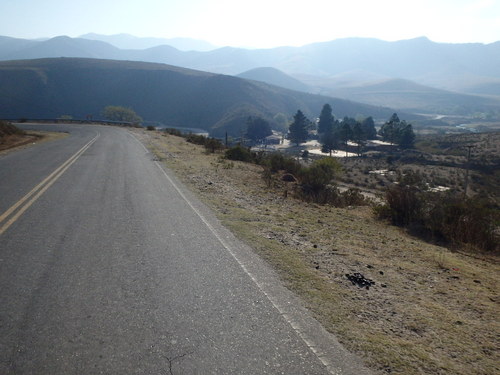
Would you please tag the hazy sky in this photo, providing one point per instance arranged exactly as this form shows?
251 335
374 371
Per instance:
256 23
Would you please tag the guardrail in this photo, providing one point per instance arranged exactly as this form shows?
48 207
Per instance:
73 121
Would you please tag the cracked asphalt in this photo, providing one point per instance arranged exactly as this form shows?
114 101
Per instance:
115 270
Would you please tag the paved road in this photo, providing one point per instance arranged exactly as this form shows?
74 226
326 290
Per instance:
109 266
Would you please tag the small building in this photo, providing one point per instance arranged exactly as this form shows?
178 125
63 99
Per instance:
274 139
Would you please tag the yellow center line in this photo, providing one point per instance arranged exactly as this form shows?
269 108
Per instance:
41 188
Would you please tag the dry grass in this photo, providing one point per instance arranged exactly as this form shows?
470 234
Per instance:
431 311
11 142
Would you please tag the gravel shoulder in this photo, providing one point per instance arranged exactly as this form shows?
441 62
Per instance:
430 310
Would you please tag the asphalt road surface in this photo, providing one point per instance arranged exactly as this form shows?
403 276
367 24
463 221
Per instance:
108 265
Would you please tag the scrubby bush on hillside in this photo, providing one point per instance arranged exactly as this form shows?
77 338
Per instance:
6 128
315 178
312 184
197 139
445 217
212 145
173 131
279 162
316 183
240 153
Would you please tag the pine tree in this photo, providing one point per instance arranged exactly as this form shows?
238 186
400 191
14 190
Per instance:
297 132
397 131
368 127
329 142
325 124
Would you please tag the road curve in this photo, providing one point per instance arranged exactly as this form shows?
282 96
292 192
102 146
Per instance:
114 268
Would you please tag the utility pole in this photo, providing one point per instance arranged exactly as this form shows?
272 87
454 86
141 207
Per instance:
466 185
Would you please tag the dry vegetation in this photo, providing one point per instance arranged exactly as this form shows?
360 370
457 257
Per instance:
440 160
12 137
431 311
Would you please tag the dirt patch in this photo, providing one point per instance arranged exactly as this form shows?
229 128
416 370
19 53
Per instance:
427 310
9 143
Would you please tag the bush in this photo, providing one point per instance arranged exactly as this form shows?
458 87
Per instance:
279 162
315 181
150 127
464 221
240 153
172 131
212 145
319 174
196 139
6 128
445 217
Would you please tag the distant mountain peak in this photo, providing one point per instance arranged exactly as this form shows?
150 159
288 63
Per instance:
275 77
128 41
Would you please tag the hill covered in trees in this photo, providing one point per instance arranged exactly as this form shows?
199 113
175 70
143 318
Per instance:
168 95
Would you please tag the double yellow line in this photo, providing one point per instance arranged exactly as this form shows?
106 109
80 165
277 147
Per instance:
13 213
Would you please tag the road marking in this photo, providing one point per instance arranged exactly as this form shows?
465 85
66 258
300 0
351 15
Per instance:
25 202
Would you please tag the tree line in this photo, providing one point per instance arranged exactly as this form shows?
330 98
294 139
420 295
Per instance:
333 132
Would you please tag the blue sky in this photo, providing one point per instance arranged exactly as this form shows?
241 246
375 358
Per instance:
256 23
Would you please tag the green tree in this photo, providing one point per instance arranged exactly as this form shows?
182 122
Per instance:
297 132
388 131
368 127
358 136
397 131
329 142
281 121
258 129
119 113
406 136
326 120
345 130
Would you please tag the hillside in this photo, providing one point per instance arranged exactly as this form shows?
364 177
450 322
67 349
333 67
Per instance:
275 77
456 67
409 96
172 96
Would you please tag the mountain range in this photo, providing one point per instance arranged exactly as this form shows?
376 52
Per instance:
415 75
401 94
127 41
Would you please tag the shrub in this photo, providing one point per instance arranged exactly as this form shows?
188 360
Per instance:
315 180
197 139
175 132
6 128
405 205
212 145
320 173
446 217
239 153
468 221
279 162
150 127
